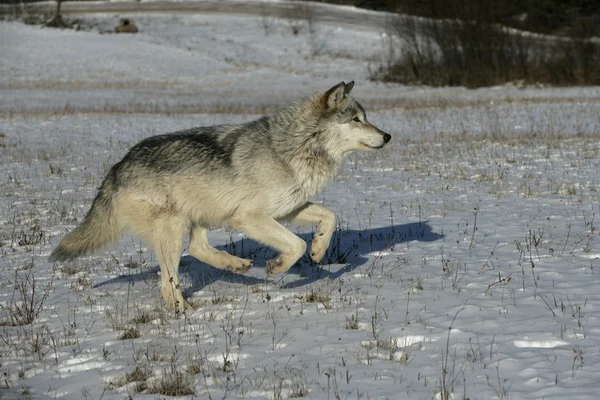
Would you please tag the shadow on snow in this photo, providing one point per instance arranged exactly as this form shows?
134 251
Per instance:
348 250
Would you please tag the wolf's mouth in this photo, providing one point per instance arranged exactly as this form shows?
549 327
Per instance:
366 146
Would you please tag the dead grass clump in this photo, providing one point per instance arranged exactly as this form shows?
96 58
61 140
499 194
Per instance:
298 383
139 374
35 236
221 299
122 318
383 344
130 333
297 394
215 300
173 383
26 301
388 349
352 322
132 264
194 366
70 268
117 318
143 316
318 296
82 282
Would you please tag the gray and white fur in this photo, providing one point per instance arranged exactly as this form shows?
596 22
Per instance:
249 177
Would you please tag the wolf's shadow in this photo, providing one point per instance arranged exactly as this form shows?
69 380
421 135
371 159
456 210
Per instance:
348 250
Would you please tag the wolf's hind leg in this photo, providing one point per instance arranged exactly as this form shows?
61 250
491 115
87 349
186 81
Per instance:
265 229
312 214
200 249
167 241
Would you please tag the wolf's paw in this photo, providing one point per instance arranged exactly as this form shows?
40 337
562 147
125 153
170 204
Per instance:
275 267
241 267
318 249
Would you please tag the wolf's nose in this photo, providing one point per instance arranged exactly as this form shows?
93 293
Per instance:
386 137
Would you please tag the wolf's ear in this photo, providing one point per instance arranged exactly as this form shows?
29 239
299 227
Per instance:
348 88
335 95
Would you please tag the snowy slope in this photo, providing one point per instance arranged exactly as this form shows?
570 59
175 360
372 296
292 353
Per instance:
466 257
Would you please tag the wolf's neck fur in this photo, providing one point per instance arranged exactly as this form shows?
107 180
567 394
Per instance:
305 149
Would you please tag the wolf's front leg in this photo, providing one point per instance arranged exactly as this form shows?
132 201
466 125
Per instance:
264 228
312 214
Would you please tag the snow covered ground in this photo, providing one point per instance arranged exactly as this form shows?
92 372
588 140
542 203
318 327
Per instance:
466 260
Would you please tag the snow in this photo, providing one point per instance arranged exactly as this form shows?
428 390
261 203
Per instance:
466 256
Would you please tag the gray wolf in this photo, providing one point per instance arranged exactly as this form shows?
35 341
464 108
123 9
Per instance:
249 177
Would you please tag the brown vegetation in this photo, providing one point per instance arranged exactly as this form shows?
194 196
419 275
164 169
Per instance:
575 18
126 25
473 50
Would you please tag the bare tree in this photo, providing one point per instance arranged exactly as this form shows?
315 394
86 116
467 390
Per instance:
57 20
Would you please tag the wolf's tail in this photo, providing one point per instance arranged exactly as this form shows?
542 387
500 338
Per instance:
99 229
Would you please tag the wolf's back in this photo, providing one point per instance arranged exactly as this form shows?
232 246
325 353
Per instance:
99 229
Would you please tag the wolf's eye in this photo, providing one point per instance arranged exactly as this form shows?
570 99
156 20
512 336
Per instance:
355 119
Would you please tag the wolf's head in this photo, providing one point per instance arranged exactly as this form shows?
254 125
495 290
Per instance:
345 121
